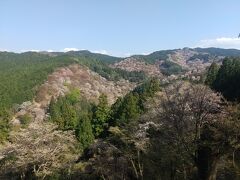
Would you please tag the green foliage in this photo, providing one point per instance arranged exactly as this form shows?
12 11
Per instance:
132 105
25 120
133 76
228 78
63 111
100 115
74 96
155 56
101 66
69 115
169 67
115 74
94 56
55 112
4 125
131 109
148 88
21 73
212 74
125 109
73 112
83 130
204 57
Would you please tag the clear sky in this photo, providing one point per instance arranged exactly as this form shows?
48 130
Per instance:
118 27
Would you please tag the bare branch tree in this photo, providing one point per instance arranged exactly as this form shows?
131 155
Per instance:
40 148
186 112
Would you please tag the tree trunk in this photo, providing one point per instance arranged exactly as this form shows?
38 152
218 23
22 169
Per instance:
212 174
207 164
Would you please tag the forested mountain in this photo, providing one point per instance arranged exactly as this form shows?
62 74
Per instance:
96 56
20 74
30 69
162 55
184 62
82 115
219 51
153 57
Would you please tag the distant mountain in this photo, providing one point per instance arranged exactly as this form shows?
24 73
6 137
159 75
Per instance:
96 56
79 54
205 54
164 54
178 61
175 61
219 51
168 62
157 55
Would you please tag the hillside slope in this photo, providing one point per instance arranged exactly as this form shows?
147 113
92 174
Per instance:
21 74
42 143
183 62
70 130
62 80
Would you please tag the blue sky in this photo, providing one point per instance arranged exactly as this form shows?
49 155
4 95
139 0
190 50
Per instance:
118 27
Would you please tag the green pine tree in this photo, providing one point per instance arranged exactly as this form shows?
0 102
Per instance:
227 80
83 131
100 115
55 112
212 74
69 115
130 108
4 124
73 97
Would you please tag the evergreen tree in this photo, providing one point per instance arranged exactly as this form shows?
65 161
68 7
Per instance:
125 110
69 116
100 115
227 80
4 124
130 108
73 97
73 113
116 111
133 104
212 74
83 131
55 112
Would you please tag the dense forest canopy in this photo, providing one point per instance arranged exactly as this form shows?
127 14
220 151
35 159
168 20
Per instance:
169 68
226 78
21 73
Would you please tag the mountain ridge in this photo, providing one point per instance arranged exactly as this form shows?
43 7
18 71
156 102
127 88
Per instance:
211 50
